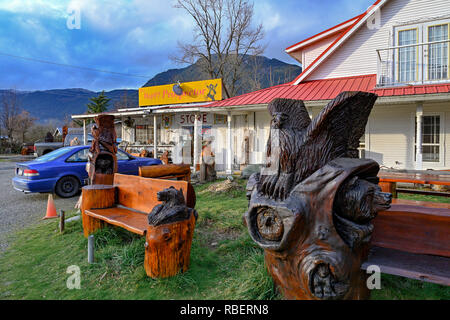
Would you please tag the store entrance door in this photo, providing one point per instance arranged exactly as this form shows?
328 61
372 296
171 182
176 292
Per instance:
187 148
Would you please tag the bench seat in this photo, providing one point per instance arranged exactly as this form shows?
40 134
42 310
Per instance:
423 267
131 220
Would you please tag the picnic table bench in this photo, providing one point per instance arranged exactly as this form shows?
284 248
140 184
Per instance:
127 204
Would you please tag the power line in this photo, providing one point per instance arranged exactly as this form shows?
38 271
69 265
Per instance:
73 66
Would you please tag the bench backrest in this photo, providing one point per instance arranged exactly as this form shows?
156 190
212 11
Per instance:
141 193
414 226
167 171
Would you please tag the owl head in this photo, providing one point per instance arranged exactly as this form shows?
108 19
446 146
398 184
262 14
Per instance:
288 113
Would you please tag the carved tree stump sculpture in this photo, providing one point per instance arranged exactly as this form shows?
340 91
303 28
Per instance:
102 158
311 206
169 235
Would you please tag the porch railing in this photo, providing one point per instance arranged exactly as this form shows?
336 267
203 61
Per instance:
422 63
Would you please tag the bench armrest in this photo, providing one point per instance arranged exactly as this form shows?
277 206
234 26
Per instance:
98 197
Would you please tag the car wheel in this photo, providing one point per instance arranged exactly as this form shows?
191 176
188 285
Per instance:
67 187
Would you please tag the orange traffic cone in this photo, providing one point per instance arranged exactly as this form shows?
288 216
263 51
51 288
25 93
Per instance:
51 210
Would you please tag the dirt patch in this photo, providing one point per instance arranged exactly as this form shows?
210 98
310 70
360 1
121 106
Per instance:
223 186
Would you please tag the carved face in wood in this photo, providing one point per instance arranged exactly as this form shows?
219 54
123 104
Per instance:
314 239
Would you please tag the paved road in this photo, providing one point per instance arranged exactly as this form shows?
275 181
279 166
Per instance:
17 209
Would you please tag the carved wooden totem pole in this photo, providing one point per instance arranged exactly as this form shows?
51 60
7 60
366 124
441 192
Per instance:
102 158
311 206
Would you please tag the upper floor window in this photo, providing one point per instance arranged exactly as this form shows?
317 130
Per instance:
407 56
419 53
438 52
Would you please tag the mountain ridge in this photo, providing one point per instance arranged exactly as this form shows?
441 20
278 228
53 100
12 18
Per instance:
55 105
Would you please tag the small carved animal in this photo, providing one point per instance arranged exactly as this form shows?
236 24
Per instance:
356 204
172 209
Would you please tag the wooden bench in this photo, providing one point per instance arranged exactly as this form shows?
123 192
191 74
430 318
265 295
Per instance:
412 239
127 204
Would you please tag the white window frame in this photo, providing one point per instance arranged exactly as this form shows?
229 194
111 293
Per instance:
426 49
428 164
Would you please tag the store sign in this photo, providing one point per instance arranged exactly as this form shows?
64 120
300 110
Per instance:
196 91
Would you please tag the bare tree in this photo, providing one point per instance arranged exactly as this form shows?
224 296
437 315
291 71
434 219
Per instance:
9 112
24 121
223 36
123 103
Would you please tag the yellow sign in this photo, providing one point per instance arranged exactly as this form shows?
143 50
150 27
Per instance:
196 91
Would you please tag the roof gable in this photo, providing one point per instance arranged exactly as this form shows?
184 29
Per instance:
338 42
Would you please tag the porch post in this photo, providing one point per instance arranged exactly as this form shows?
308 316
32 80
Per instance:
84 132
122 129
155 151
195 153
229 148
419 114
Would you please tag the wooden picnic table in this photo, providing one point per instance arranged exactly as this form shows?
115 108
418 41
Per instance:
422 178
389 180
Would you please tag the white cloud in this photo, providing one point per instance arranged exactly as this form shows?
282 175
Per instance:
35 7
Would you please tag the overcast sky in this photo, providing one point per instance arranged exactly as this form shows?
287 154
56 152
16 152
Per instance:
131 36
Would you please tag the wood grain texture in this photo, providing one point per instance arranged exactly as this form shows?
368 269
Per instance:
415 266
414 226
130 220
95 196
141 193
166 170
168 248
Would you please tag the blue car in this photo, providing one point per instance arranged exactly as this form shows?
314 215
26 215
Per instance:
63 171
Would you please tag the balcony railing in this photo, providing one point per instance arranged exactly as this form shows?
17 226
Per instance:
423 63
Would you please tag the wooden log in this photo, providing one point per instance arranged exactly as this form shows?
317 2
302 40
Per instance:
95 197
164 170
168 248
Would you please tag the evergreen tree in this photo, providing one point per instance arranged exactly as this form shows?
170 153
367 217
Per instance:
98 104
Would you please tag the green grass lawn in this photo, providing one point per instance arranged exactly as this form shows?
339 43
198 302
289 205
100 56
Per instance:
225 262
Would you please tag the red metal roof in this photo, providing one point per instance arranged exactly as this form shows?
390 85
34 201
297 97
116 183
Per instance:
327 89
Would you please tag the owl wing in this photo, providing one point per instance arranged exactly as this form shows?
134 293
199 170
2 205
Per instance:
335 132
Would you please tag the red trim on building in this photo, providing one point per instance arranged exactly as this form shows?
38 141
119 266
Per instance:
325 31
327 89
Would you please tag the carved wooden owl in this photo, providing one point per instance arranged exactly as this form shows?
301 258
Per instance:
299 146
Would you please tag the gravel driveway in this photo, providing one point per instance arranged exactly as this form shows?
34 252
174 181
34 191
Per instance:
17 209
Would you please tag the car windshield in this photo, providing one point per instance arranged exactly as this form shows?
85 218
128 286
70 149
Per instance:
53 155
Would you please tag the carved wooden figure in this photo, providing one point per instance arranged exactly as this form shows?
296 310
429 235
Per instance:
169 235
102 158
311 206
207 167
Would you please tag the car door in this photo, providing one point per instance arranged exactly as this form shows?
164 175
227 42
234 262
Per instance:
127 164
76 163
